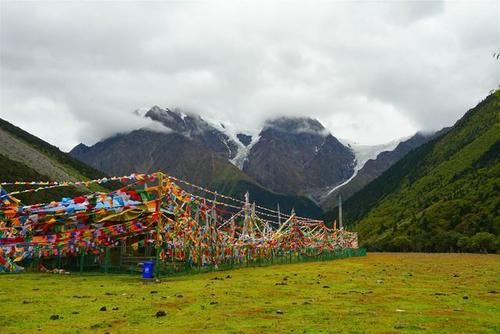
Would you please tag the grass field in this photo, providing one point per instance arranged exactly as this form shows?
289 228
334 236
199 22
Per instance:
379 293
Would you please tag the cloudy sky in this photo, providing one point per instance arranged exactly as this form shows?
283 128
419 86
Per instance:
369 71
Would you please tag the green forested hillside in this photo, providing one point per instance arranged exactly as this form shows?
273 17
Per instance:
444 196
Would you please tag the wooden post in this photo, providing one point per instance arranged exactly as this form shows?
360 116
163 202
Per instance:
245 230
279 215
159 221
213 234
340 212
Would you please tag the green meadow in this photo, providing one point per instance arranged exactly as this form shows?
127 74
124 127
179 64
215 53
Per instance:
379 293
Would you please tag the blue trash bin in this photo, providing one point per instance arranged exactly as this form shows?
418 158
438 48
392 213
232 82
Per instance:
148 269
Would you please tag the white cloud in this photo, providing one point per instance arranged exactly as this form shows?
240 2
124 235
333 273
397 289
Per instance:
371 72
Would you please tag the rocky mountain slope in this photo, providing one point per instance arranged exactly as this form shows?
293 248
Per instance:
190 159
442 196
298 156
24 157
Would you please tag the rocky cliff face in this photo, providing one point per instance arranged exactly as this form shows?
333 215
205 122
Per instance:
298 156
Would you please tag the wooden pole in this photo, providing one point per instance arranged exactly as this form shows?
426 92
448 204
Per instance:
340 212
213 233
279 215
159 221
245 230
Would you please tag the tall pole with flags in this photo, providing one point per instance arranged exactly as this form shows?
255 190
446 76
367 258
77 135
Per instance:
341 226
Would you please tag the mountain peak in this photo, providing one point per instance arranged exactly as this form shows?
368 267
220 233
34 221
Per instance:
80 148
175 119
211 134
157 113
297 125
157 109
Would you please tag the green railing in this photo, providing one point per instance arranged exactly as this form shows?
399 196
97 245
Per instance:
107 263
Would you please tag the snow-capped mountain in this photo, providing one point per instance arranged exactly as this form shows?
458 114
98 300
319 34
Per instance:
292 156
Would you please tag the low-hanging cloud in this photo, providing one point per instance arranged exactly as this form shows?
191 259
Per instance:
74 72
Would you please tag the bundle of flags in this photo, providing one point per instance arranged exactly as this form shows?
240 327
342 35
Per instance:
6 199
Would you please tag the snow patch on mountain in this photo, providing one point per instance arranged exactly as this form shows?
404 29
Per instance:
243 152
362 154
232 133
